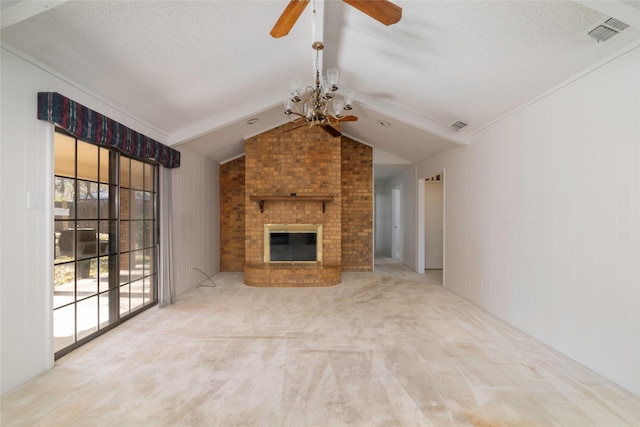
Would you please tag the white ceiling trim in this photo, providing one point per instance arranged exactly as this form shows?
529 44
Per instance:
232 158
25 10
559 86
317 33
213 124
234 116
101 105
419 122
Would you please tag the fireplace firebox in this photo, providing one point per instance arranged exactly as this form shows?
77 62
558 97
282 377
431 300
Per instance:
293 243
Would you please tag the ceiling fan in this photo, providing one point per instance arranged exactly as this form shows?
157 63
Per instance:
382 11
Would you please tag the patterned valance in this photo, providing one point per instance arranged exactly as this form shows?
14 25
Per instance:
97 129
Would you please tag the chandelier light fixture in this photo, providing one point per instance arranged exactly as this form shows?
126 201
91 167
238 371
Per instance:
320 104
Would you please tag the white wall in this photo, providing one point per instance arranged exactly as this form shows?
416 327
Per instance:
544 209
196 215
26 235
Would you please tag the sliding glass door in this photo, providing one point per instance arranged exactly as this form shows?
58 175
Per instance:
137 235
105 240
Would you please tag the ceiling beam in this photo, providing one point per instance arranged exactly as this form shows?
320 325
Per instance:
26 9
420 122
317 32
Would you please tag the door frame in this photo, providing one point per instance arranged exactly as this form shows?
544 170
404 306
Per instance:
434 207
421 220
396 223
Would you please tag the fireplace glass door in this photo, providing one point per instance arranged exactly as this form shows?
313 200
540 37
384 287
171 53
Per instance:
293 247
290 243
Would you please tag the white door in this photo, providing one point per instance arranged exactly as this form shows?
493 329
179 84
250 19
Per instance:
434 225
396 224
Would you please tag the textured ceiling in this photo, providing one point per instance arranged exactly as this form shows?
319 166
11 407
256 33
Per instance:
197 71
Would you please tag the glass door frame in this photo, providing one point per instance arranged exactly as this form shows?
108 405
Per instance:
99 250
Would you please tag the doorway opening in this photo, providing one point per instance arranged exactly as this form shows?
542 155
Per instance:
396 224
434 227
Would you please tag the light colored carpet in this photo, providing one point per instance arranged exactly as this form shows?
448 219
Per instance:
387 348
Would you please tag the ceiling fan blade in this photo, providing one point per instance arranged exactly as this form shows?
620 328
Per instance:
382 11
288 18
331 130
348 119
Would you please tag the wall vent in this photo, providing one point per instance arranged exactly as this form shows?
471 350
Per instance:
458 125
608 29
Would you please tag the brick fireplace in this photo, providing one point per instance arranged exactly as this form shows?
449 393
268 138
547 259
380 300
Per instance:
294 177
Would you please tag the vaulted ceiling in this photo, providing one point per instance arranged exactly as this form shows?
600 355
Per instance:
199 71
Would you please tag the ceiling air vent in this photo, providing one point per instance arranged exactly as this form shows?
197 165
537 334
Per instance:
458 125
608 29
616 24
602 33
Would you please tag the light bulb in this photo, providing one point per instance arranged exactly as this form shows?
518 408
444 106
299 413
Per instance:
326 88
295 84
337 105
349 95
288 104
332 78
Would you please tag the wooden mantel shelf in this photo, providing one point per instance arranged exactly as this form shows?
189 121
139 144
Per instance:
262 199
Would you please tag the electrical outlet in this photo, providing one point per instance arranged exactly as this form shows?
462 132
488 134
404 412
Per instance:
481 284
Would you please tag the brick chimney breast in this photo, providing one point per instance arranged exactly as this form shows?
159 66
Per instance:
305 162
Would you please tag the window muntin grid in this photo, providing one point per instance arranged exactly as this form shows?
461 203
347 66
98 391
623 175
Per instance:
93 285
